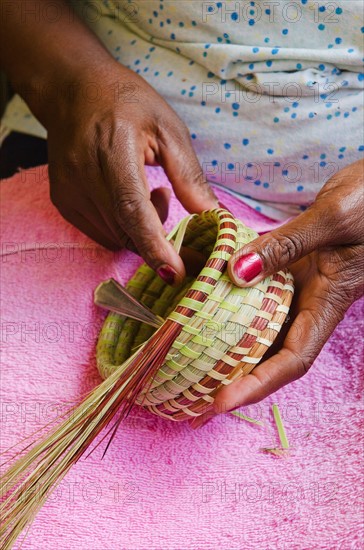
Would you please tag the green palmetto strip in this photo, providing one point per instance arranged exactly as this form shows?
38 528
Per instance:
281 431
247 418
179 231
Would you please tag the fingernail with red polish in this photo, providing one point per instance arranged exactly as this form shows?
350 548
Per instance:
167 273
248 267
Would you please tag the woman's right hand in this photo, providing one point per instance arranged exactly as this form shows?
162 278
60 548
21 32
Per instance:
97 152
104 124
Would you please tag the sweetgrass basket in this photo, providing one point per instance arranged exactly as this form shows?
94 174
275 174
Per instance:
218 331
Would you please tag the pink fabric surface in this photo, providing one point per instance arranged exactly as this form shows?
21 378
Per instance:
161 484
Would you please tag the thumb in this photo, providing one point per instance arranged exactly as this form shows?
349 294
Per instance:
280 248
183 170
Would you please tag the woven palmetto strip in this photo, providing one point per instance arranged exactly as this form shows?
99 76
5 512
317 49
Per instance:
222 331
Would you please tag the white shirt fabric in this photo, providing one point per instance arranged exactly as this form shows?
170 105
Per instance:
271 91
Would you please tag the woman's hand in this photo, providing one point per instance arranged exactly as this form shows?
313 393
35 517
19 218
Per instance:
97 153
324 249
104 124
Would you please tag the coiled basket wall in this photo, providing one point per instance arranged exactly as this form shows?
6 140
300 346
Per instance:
221 331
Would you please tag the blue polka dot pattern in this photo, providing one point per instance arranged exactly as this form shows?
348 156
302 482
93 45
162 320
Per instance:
267 101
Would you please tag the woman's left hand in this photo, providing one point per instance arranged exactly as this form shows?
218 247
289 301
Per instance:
324 249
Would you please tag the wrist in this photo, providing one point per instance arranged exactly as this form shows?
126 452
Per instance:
47 59
53 94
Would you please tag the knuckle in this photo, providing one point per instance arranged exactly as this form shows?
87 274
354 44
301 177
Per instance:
264 380
126 242
193 175
339 299
139 231
282 249
113 136
172 128
150 250
198 176
303 363
183 132
340 212
128 208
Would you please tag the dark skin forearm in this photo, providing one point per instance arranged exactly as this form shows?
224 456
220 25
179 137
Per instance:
45 53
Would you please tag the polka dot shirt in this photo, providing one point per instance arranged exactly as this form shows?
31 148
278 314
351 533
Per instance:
272 92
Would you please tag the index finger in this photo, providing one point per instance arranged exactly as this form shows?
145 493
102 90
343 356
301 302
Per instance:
135 212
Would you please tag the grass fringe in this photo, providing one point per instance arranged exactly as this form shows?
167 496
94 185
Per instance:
31 479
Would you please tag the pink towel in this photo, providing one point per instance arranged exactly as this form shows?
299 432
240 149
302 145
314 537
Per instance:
161 484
